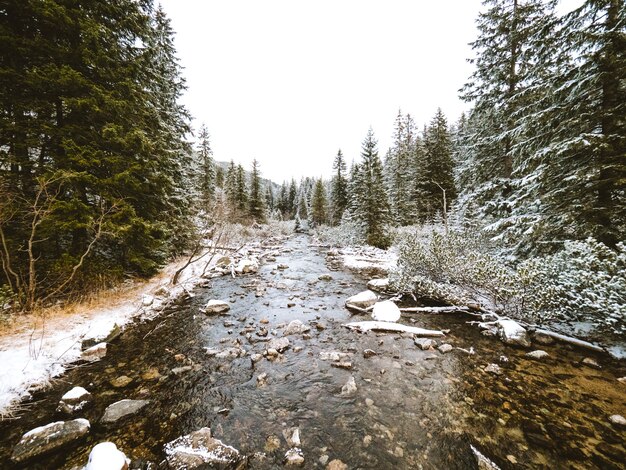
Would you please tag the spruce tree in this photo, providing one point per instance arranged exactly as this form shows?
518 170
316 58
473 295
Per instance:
241 191
339 189
370 202
318 203
206 169
256 202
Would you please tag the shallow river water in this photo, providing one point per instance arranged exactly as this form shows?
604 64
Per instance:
412 409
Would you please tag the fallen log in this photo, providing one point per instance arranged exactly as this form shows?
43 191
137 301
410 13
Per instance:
568 339
364 326
435 310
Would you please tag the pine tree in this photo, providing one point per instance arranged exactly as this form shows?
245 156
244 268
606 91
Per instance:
292 200
270 201
206 170
339 189
230 186
256 203
318 203
370 202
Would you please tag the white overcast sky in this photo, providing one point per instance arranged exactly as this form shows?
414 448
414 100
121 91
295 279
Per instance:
289 82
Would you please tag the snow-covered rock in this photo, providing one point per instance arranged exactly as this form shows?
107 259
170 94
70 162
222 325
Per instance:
618 420
215 306
122 409
296 327
538 354
48 438
379 285
362 299
200 450
94 353
106 456
147 300
246 266
74 400
493 369
386 311
511 332
223 261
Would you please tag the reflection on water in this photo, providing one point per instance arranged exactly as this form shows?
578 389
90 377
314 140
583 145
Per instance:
411 409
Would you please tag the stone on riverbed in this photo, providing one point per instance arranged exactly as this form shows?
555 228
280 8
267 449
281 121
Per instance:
425 343
279 344
48 438
216 306
336 465
200 450
445 348
106 456
538 355
511 332
618 420
362 300
349 388
386 311
122 409
296 327
74 400
294 457
333 356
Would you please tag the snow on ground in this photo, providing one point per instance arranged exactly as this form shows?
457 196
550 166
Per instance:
367 257
31 356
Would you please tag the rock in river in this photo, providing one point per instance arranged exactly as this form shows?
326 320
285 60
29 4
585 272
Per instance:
296 327
279 344
378 284
294 457
200 450
216 306
106 456
349 388
386 311
122 409
362 300
74 400
511 332
538 355
94 353
49 438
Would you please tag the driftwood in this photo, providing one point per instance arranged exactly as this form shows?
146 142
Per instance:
568 339
364 326
435 310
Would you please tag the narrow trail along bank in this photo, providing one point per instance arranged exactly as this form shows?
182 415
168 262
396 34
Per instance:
280 392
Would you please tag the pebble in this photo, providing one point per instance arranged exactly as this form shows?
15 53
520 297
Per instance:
367 440
336 465
591 362
445 348
493 369
618 420
369 402
294 457
121 381
538 354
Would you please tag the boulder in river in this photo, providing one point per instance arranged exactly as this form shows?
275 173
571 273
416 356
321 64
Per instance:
386 311
363 299
200 450
48 438
94 353
425 343
215 306
246 266
296 327
106 456
511 332
74 400
379 285
122 409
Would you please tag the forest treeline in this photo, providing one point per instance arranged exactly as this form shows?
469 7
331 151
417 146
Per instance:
99 180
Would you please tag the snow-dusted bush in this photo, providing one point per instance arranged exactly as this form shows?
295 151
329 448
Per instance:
454 267
348 233
585 281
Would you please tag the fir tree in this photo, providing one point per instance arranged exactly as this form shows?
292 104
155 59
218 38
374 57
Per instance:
241 190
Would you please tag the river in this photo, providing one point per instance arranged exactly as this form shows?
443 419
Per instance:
412 409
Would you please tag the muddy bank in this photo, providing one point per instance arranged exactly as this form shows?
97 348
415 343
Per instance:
409 408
